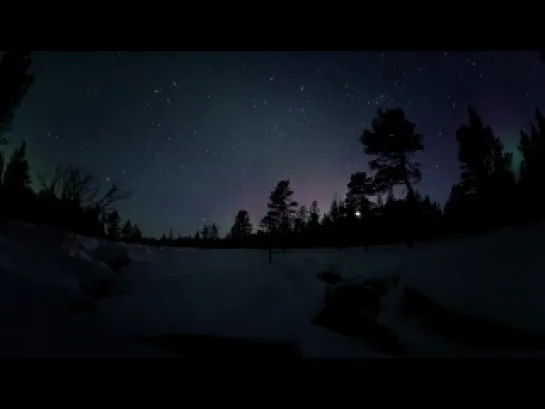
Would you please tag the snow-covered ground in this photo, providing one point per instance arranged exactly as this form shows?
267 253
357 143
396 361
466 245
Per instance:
238 294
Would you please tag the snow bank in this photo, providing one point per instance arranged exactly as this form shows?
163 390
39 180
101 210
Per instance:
499 276
39 279
237 293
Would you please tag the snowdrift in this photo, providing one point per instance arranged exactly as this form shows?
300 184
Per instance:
238 294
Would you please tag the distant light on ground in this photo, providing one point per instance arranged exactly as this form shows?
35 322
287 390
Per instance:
358 213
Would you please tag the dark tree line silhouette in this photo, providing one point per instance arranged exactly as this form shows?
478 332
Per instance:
490 193
68 198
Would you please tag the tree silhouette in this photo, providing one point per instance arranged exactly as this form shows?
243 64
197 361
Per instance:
16 195
205 232
214 232
334 210
392 141
242 227
314 215
281 208
360 188
474 153
300 221
136 233
112 226
357 207
532 166
127 230
14 84
17 174
487 182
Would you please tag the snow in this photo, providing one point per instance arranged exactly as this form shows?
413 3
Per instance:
238 294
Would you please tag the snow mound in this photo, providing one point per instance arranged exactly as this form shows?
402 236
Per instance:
113 255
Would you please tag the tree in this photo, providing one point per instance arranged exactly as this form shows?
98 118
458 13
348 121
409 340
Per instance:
15 191
17 174
170 237
335 211
487 183
301 219
205 232
112 226
281 207
14 85
360 188
475 146
136 233
357 208
214 232
392 141
127 230
242 227
532 166
314 215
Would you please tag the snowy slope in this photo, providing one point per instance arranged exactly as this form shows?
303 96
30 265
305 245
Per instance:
237 294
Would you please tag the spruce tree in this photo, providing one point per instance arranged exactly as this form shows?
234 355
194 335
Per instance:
242 227
281 208
127 230
487 184
14 85
112 226
391 142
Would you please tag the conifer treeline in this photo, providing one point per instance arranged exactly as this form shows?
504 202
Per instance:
488 195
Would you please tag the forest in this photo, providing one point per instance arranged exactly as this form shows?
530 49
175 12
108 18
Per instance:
490 193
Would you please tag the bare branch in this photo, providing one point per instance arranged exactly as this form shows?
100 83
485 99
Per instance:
114 194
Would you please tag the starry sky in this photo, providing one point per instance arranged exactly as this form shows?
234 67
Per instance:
198 135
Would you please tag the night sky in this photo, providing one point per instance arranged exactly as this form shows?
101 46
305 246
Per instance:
199 135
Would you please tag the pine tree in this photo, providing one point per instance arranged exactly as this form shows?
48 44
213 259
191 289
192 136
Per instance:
14 85
242 227
281 207
17 174
314 215
127 230
532 167
15 191
335 211
136 233
360 188
392 141
486 192
487 183
112 226
205 232
214 232
301 219
475 145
